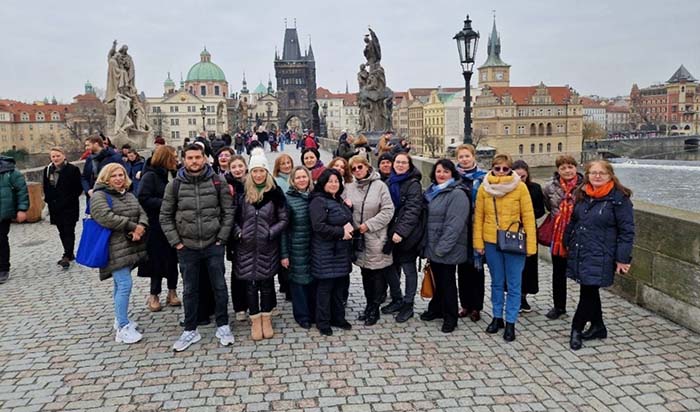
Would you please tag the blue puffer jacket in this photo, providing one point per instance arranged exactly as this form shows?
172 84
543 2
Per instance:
331 256
600 233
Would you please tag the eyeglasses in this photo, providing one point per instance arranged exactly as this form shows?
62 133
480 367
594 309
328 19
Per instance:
504 169
599 173
400 162
358 167
225 155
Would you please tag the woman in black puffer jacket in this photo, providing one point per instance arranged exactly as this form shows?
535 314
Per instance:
260 220
331 249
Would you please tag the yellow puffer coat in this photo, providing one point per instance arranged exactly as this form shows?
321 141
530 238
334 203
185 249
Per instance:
514 207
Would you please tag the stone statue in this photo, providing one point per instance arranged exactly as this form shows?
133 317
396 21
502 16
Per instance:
374 99
126 112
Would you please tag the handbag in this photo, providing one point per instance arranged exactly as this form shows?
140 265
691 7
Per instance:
508 241
93 250
545 233
427 287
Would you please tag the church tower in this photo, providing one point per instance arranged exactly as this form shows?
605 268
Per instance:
295 74
494 72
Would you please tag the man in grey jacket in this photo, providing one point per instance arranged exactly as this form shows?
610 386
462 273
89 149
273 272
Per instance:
196 216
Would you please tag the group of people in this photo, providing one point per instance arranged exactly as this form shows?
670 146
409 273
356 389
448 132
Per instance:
308 224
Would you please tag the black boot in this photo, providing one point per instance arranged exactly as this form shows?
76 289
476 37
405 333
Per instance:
393 307
495 325
372 316
405 313
363 315
596 331
575 343
509 333
555 313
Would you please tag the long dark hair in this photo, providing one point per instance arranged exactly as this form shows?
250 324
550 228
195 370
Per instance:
580 193
521 164
446 164
320 185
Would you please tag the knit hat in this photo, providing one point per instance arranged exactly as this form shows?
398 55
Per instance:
258 159
385 156
159 140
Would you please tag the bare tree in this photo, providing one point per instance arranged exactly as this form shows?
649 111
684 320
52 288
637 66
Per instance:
84 120
430 144
477 136
593 131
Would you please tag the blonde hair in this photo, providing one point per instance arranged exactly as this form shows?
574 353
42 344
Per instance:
58 149
252 195
359 159
308 174
107 172
466 146
502 158
278 163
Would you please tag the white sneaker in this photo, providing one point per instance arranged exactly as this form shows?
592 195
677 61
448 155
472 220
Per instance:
225 336
127 334
187 338
241 316
131 323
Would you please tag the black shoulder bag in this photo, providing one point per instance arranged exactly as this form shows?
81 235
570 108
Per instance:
508 241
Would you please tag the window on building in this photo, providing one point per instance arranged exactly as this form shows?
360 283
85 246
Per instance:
210 109
172 135
549 129
174 122
532 148
560 112
533 129
521 129
24 116
560 147
540 129
40 116
506 130
216 90
549 147
520 149
202 90
541 147
560 128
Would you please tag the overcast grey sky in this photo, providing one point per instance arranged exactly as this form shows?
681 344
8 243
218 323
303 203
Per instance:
596 46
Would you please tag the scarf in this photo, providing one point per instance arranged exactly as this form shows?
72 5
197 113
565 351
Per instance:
597 193
435 190
260 187
473 175
499 186
54 173
394 184
566 208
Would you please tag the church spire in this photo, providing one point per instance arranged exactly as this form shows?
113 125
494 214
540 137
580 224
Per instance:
494 47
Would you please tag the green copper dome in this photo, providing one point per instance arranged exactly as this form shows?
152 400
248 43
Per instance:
169 81
205 70
260 89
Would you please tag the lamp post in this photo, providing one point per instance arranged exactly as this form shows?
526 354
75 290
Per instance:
203 110
467 40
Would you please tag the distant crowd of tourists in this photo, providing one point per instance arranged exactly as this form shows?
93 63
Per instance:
308 223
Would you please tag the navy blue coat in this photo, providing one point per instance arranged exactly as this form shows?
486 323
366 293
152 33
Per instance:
331 256
132 169
600 233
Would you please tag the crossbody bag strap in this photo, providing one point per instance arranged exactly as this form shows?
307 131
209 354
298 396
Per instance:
364 199
495 212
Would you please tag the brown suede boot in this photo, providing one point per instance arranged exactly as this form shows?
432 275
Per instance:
267 326
153 303
256 328
172 299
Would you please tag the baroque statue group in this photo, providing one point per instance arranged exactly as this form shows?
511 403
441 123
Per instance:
374 98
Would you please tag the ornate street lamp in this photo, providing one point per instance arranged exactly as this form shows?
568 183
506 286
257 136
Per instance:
467 40
203 110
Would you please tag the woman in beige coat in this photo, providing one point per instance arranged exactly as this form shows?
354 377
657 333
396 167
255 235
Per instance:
372 212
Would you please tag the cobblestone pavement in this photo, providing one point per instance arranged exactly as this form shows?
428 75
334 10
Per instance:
57 352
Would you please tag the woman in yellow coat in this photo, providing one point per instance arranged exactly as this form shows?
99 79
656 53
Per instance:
503 202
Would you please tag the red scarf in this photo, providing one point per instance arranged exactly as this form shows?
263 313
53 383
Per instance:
601 191
566 208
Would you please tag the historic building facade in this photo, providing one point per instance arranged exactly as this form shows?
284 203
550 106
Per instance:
671 107
296 84
206 79
535 123
35 127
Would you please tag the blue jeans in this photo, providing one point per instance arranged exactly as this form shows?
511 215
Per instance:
505 267
122 291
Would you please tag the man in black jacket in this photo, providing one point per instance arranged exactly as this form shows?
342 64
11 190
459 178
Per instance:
196 217
101 156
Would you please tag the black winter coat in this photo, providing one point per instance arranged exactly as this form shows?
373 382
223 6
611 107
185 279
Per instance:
257 230
162 258
331 256
64 198
409 219
236 187
600 233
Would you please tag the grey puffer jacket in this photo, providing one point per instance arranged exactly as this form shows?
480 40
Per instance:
378 212
201 213
554 194
122 218
257 233
447 230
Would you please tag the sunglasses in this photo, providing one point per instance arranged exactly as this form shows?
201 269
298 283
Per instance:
358 167
504 169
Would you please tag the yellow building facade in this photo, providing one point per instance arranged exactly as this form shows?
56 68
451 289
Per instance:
434 126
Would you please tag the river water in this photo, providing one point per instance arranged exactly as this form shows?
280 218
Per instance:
671 183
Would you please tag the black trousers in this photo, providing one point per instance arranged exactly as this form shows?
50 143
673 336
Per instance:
239 294
374 284
4 245
589 308
444 301
329 302
346 287
260 294
471 286
283 278
157 284
191 262
66 231
559 282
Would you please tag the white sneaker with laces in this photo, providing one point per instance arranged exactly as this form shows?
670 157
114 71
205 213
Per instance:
187 338
131 323
128 334
225 336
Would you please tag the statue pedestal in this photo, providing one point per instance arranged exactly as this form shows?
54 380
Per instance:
137 139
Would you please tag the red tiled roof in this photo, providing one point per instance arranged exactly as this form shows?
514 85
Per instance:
588 102
349 99
17 108
617 109
522 94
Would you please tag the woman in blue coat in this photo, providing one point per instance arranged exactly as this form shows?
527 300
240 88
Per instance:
134 168
599 239
331 252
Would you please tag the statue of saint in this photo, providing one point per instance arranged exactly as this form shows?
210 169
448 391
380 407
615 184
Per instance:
121 73
373 52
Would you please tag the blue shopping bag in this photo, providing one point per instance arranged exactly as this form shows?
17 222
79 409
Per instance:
93 250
